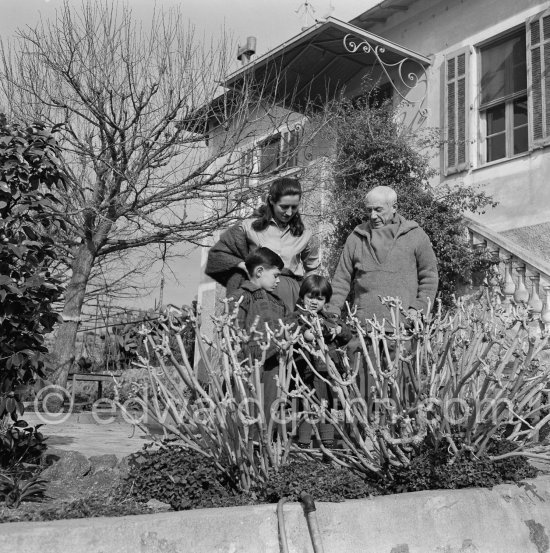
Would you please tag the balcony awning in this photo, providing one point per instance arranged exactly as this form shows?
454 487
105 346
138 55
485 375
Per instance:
316 64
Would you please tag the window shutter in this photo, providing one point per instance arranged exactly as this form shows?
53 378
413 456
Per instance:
455 116
291 149
538 77
246 161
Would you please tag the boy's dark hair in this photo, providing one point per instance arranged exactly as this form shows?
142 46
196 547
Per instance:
263 257
317 286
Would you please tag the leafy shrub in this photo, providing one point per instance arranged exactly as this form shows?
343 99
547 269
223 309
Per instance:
373 149
15 488
29 176
324 482
180 477
10 406
434 468
21 448
20 444
186 480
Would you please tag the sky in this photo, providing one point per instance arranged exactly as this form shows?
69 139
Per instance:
270 21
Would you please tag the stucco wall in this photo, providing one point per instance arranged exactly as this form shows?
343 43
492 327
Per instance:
435 29
507 519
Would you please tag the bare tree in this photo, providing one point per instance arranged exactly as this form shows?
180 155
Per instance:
133 105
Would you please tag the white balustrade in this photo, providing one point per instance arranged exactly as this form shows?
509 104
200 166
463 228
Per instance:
535 303
509 286
521 295
515 278
545 315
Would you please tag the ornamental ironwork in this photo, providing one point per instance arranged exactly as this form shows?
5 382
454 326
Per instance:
407 77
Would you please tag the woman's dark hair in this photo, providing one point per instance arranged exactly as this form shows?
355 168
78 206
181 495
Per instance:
316 285
263 257
285 186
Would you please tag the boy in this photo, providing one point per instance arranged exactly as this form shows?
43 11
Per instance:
260 303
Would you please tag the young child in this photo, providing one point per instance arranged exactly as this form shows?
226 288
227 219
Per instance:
259 302
315 293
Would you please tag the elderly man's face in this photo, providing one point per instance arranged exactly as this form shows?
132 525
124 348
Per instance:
380 212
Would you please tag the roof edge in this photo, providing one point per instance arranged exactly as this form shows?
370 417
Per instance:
318 27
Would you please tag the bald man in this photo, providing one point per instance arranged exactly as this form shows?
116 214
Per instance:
386 256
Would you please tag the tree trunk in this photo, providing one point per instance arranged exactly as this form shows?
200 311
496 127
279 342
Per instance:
64 345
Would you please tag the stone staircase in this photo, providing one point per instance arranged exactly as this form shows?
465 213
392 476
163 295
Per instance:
521 276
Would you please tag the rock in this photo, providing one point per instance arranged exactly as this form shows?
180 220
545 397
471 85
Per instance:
158 506
65 465
71 475
103 462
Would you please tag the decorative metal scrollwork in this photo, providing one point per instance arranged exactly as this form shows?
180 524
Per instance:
411 85
305 149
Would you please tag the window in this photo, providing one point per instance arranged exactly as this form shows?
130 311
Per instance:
503 98
514 96
278 152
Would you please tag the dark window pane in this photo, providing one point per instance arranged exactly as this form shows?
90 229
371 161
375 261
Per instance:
496 147
503 68
269 155
521 140
519 65
496 121
492 76
520 112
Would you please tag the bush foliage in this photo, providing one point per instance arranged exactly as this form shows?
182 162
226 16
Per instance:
373 149
29 176
186 480
180 477
434 468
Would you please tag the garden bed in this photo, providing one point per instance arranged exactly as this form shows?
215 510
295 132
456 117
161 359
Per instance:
155 480
506 519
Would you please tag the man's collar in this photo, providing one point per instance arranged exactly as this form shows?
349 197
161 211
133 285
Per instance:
395 220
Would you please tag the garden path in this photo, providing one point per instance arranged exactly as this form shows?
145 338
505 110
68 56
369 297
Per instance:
80 432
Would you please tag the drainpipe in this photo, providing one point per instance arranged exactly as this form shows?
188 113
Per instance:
312 523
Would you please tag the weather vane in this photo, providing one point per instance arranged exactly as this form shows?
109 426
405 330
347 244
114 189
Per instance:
307 10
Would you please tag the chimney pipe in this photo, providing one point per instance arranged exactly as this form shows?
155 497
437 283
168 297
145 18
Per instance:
244 53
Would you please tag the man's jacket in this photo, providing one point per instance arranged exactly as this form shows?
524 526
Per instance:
409 271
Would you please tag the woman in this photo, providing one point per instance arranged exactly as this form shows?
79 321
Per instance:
276 225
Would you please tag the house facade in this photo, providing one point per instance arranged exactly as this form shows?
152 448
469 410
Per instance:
488 93
474 69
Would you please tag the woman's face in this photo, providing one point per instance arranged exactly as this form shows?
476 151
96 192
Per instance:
285 208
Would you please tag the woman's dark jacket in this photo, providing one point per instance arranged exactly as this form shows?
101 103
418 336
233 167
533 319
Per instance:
224 257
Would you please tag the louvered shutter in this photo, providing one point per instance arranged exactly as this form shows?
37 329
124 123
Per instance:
538 77
246 161
292 149
455 112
